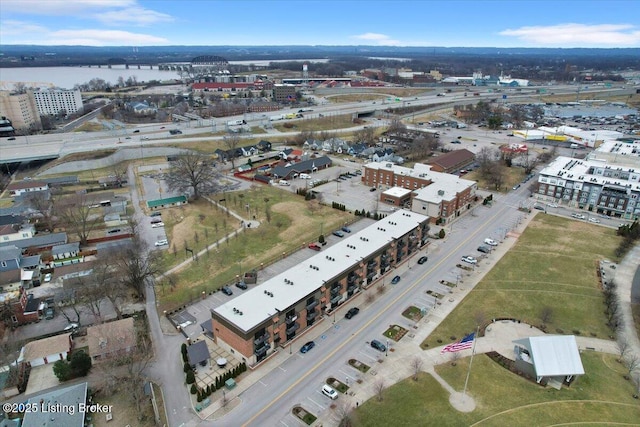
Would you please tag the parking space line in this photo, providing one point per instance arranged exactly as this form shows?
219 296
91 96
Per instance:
353 378
282 369
366 355
316 403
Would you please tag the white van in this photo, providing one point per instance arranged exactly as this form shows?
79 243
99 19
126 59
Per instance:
574 145
305 176
330 392
283 182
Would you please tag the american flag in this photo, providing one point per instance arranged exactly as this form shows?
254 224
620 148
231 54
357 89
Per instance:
463 344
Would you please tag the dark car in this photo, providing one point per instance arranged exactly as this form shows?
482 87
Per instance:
484 249
113 231
423 259
136 131
308 346
13 138
395 280
352 312
338 233
346 229
373 189
378 345
155 213
242 285
540 208
227 290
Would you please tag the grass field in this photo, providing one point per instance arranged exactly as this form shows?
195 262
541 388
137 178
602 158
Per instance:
553 264
316 125
292 222
502 398
513 176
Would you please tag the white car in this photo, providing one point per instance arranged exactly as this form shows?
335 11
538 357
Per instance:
469 259
71 326
157 225
162 242
578 216
552 205
47 277
594 220
490 242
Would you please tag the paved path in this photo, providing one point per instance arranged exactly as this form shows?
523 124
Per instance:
626 273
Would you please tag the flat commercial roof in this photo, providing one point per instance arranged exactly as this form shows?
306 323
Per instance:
284 290
397 192
554 355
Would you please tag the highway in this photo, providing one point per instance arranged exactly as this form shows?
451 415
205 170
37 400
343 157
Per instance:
33 147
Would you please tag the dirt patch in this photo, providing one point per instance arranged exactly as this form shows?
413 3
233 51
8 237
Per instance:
297 221
183 230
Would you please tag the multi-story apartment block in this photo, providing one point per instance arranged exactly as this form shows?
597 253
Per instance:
284 93
274 313
55 101
20 109
441 196
594 185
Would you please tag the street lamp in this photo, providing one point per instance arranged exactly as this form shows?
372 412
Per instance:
386 350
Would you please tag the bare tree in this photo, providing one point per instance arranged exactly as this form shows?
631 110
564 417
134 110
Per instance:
79 216
378 388
396 125
231 142
42 202
632 361
623 347
193 172
343 413
366 135
134 264
416 366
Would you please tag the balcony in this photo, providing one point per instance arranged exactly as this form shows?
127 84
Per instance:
312 315
312 305
335 299
291 329
352 288
262 350
290 319
261 340
335 290
352 279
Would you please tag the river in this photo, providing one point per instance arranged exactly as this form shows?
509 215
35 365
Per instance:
68 77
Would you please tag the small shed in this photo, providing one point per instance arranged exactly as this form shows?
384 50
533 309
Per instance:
198 354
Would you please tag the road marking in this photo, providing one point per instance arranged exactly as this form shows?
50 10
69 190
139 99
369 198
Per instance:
353 378
282 369
500 211
316 403
260 381
284 424
366 355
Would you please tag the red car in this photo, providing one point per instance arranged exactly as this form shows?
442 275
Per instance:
314 246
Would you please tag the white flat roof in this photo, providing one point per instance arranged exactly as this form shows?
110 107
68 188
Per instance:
564 169
554 355
287 288
444 187
397 192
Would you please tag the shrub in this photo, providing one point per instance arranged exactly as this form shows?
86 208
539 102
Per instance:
191 377
442 233
80 364
194 389
62 370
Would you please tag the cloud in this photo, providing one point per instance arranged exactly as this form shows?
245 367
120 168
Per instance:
10 28
133 15
103 38
578 35
62 7
378 39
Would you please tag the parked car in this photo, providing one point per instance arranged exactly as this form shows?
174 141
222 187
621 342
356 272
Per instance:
539 207
155 213
226 290
378 345
47 277
373 189
338 233
157 225
162 242
594 220
484 249
136 131
114 231
242 285
49 313
155 220
308 346
490 242
422 260
314 246
578 216
71 326
552 205
469 259
515 187
346 229
352 312
395 280
330 392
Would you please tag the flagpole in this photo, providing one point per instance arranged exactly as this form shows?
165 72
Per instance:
473 351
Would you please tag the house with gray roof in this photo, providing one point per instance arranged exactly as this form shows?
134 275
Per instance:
306 166
40 241
57 400
198 354
68 250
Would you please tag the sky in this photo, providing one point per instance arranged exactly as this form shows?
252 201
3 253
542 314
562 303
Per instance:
471 23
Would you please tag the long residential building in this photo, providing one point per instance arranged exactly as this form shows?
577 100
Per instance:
274 313
441 196
594 185
56 101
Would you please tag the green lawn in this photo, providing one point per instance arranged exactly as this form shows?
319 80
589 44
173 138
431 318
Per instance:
505 399
291 222
553 264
